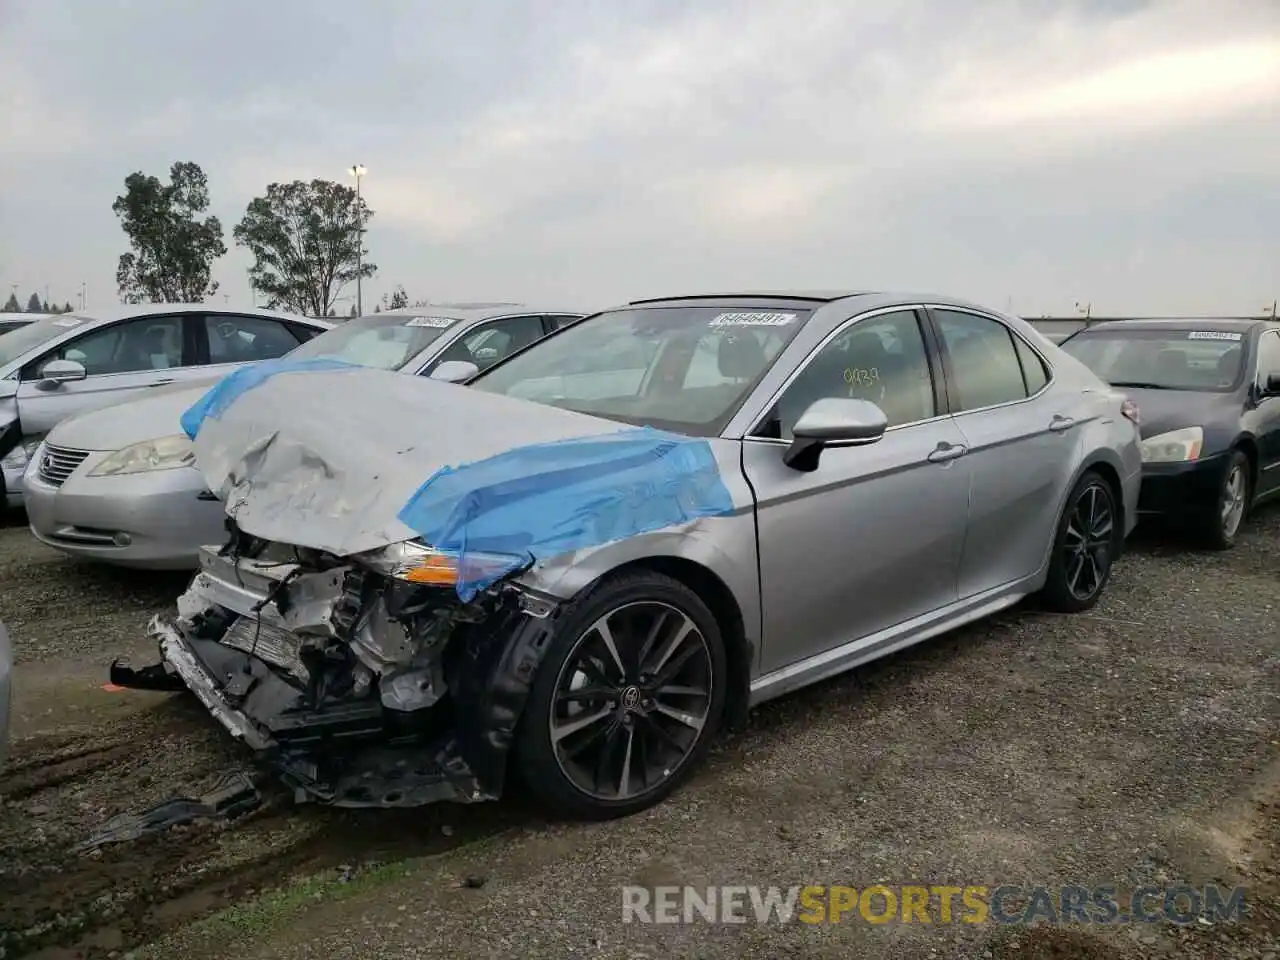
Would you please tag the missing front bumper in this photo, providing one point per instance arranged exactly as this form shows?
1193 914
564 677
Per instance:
359 754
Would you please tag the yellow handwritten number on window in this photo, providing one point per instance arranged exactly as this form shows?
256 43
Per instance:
861 377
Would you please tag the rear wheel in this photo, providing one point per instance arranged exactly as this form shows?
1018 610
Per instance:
1217 527
1084 548
627 700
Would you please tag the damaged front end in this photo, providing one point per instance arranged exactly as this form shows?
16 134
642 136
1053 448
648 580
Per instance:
362 681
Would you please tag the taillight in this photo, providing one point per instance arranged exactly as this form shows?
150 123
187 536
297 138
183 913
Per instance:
1129 410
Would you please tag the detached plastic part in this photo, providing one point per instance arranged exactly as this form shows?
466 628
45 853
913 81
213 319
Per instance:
234 796
157 677
223 393
543 500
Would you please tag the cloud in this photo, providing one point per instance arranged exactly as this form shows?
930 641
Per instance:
1038 149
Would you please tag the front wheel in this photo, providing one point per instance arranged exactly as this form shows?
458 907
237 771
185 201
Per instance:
1216 528
626 701
1084 547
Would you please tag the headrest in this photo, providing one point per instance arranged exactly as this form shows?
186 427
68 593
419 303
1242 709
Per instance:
740 356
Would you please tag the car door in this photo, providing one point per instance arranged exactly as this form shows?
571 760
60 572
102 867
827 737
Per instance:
1022 431
487 343
1268 428
227 341
120 359
873 536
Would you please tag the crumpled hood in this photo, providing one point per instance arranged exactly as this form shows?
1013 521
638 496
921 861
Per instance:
327 459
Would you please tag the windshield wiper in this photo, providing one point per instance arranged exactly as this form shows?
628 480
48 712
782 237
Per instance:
1139 385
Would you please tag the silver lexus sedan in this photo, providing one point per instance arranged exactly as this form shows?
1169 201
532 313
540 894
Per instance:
118 485
66 364
604 547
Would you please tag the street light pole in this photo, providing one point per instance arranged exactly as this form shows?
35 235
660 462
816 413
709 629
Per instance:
358 170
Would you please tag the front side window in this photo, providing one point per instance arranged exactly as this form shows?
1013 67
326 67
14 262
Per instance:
492 342
881 359
1167 358
984 360
686 369
239 339
1268 357
133 346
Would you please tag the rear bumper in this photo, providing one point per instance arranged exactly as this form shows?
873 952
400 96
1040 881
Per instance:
1180 489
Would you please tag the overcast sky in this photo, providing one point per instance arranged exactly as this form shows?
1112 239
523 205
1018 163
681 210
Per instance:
1027 154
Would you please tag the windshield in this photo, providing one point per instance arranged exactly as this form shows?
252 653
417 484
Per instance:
1175 359
686 369
385 341
16 343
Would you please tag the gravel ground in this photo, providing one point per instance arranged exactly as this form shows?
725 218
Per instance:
1137 744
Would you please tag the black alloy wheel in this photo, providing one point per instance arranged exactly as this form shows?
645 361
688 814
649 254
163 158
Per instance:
627 699
1089 533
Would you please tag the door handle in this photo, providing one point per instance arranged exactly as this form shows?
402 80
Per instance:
947 451
1060 423
161 382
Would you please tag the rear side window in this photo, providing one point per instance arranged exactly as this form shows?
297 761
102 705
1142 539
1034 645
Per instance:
1034 371
238 339
984 360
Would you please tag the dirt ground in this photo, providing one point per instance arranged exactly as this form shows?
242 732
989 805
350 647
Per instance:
1139 744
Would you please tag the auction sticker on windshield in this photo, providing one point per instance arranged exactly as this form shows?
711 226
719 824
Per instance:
431 322
753 319
1214 335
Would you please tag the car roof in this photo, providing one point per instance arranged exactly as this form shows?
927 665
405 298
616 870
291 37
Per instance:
477 310
1226 324
124 311
854 300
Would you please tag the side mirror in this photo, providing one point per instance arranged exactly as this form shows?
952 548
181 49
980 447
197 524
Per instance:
454 371
57 372
8 389
833 422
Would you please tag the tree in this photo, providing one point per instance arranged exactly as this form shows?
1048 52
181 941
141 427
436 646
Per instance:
34 305
11 305
354 312
399 299
66 307
307 242
173 248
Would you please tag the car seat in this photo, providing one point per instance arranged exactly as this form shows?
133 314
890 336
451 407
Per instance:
1229 366
1172 368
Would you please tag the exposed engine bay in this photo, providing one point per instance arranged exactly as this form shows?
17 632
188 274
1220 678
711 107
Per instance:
361 681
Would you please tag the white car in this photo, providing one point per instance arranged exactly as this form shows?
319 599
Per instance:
71 363
118 485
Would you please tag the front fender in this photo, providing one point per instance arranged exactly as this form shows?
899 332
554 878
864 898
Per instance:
725 546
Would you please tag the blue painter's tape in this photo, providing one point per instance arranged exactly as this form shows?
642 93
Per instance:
223 393
539 501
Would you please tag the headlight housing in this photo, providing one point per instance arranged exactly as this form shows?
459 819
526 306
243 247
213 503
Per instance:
1176 446
162 453
415 562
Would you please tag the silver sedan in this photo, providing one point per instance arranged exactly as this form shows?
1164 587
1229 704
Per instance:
67 364
609 544
118 485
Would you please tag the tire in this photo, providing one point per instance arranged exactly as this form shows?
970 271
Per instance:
633 717
1217 527
1065 591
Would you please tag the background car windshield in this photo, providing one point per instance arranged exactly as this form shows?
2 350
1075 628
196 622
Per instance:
678 368
384 341
1176 359
16 343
